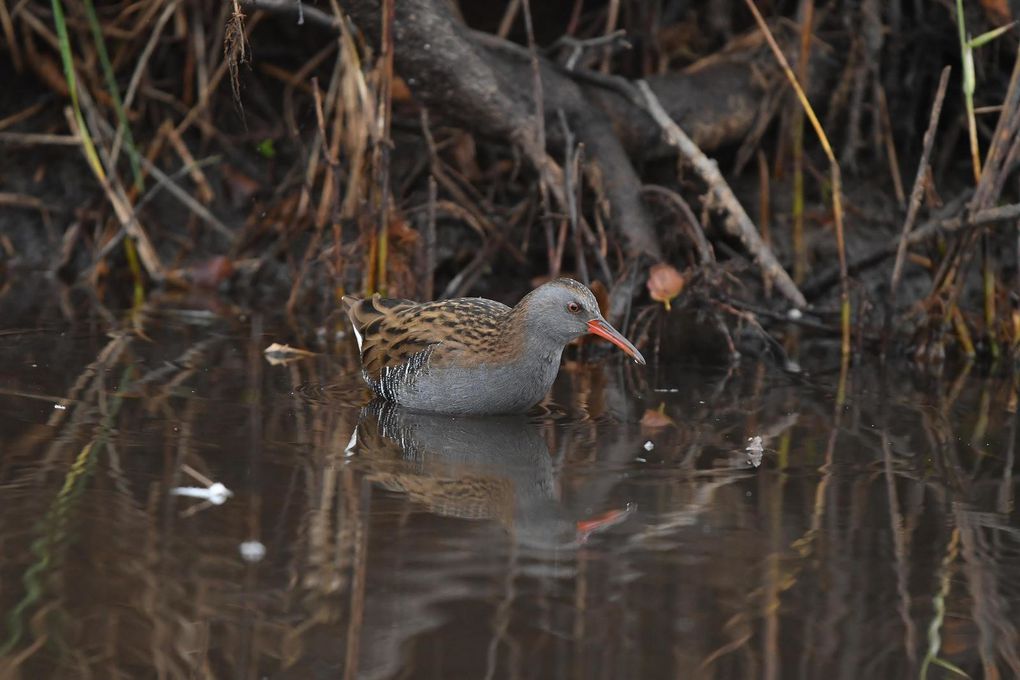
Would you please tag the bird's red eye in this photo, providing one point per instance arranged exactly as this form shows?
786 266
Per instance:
573 307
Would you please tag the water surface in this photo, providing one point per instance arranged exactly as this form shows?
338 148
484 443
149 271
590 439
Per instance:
622 530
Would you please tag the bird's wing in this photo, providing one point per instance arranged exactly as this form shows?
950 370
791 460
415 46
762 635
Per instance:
394 333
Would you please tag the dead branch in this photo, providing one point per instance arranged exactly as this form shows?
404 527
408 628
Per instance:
474 87
738 225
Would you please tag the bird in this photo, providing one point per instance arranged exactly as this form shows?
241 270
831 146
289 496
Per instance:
473 356
497 468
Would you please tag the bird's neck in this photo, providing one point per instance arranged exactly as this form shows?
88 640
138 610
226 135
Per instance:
522 338
536 360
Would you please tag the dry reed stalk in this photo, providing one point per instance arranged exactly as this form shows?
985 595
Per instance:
800 256
569 191
429 244
384 116
764 198
543 163
38 139
357 101
837 189
140 66
8 28
886 132
117 197
917 191
205 191
24 114
509 16
1002 155
612 17
325 198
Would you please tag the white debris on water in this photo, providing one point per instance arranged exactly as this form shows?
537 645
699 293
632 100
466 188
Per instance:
649 445
252 551
755 450
215 493
795 314
60 407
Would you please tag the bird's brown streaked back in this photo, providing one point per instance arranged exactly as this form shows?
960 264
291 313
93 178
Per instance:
393 332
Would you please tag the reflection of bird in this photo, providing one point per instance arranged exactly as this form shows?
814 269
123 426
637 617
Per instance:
471 355
476 468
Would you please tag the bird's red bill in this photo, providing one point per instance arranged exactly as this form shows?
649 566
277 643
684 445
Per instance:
601 328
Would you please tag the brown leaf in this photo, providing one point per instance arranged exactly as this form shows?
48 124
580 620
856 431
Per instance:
997 11
400 92
463 151
208 273
51 73
240 186
400 232
654 419
664 283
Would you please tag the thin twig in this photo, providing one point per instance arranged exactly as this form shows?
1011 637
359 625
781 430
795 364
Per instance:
927 231
692 227
917 192
569 191
136 77
889 143
115 193
37 139
430 242
509 16
205 191
541 159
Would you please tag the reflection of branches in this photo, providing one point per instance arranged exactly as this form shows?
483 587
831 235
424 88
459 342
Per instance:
56 528
820 549
998 636
901 551
670 522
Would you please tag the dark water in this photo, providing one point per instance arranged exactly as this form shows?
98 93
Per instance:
623 531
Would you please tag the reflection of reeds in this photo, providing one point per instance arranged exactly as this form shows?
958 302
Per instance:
852 537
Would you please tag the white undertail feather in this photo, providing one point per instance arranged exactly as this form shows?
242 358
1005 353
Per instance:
357 336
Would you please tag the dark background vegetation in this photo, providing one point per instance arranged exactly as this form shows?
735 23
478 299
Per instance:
289 152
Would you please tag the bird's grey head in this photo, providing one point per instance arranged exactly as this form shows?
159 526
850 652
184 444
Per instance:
561 310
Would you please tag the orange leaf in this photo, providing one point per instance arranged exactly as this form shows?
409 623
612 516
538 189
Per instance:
665 283
654 419
997 11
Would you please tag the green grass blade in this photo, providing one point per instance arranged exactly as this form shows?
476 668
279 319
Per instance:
111 85
988 37
942 663
60 23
